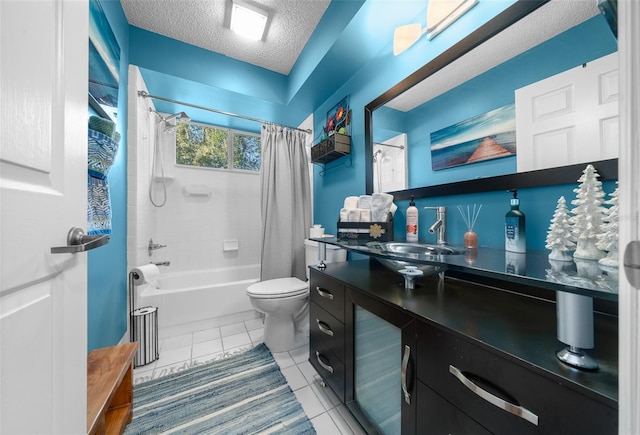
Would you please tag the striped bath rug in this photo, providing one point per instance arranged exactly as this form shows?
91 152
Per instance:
242 394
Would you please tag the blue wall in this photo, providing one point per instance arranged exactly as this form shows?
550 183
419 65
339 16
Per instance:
107 265
345 176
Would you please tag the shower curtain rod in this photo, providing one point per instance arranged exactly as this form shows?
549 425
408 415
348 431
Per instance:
389 145
145 94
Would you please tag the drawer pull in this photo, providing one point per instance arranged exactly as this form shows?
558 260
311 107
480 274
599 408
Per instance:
324 365
324 327
494 400
403 373
324 293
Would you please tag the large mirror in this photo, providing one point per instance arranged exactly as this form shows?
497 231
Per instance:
475 83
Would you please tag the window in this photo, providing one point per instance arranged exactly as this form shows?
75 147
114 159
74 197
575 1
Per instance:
220 148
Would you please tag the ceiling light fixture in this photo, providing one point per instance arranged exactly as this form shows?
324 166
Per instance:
248 20
440 15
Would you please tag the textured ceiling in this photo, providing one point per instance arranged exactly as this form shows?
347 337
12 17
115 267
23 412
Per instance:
201 23
546 22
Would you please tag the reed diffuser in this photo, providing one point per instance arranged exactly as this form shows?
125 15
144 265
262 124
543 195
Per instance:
470 237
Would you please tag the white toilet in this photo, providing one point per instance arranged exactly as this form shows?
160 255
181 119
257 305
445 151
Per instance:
285 301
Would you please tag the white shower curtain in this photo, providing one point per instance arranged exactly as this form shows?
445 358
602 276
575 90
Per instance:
285 202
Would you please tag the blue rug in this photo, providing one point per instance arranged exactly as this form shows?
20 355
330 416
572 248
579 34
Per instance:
243 394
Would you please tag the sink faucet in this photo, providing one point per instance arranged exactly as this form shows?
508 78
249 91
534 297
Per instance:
439 227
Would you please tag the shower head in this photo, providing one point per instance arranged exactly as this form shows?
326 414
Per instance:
376 154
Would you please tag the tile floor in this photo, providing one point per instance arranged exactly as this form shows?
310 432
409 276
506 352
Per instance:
180 350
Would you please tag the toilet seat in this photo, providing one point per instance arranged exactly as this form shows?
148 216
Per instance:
278 288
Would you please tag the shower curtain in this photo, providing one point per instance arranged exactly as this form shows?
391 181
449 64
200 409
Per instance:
285 202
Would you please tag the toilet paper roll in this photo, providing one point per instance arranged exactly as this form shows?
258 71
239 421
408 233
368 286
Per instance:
147 273
316 232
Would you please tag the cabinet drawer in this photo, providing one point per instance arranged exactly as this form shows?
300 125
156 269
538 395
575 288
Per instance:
329 367
326 330
328 293
437 416
481 384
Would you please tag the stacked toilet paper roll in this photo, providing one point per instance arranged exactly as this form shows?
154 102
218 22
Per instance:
316 232
147 273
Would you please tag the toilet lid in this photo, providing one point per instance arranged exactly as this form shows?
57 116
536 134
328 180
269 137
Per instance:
278 288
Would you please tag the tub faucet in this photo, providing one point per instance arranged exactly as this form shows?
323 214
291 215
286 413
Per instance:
153 246
439 227
161 263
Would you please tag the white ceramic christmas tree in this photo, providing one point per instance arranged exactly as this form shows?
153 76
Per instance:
559 238
587 215
608 239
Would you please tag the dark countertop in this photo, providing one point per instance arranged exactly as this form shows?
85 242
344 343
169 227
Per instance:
523 327
533 268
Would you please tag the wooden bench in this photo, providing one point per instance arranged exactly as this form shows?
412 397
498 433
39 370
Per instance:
110 388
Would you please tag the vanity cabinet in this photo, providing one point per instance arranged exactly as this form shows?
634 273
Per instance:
453 356
500 395
327 331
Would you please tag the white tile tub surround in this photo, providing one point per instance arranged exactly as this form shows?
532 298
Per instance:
193 228
205 343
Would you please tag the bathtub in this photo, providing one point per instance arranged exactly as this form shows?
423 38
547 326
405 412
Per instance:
193 296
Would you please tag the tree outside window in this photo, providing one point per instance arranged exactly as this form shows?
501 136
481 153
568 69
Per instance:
220 148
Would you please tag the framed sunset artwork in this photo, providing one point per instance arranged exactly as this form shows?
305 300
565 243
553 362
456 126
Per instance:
491 135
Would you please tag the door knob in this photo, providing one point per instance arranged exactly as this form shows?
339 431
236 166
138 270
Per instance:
632 263
78 241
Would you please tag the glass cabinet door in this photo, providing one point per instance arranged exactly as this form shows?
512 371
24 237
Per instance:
377 370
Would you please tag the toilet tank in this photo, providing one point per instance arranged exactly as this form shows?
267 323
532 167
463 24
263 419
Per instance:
334 254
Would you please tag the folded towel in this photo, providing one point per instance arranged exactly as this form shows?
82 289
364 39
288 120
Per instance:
393 209
351 202
103 125
364 201
354 215
380 206
365 215
344 215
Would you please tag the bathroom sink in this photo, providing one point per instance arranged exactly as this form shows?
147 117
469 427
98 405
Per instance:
412 249
407 250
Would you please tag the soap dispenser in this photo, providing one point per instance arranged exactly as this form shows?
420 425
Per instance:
412 222
514 226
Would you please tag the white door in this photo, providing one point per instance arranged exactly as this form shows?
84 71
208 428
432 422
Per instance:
569 118
629 217
43 193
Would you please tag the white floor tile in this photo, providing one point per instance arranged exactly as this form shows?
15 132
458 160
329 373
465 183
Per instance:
256 335
325 395
206 335
254 324
204 359
176 342
324 425
283 359
174 356
310 403
237 340
308 371
300 354
207 348
233 329
294 377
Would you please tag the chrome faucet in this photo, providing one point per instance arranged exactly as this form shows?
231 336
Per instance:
439 227
153 246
